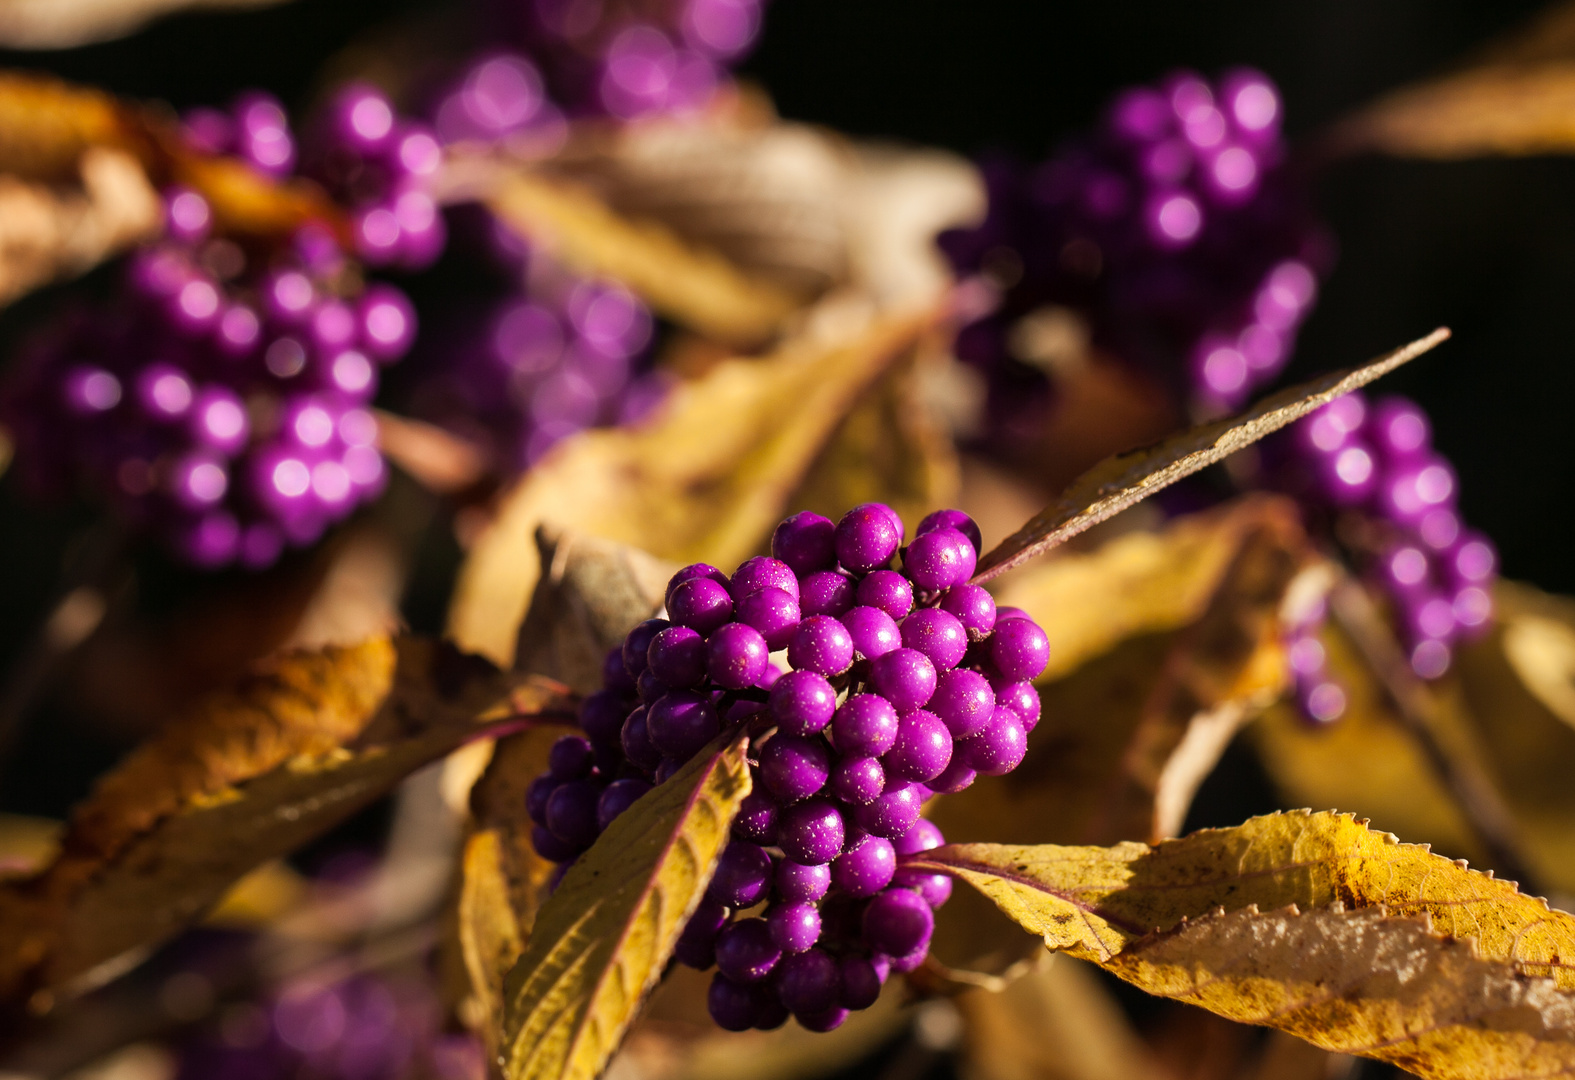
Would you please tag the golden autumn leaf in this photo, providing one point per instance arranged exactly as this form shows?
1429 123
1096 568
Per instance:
600 942
706 478
242 777
1125 480
1313 924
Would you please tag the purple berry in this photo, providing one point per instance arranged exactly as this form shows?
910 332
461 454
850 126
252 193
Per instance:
939 560
794 925
973 606
865 726
904 677
957 776
811 831
822 1022
866 538
602 714
964 700
733 1005
802 702
934 889
636 741
805 542
677 658
924 836
690 573
897 921
570 758
537 794
808 982
857 780
745 952
551 848
922 750
821 644
912 960
938 635
999 748
1022 699
861 982
889 591
743 874
793 767
865 868
615 677
649 688
763 572
873 632
893 813
696 945
825 592
1019 649
953 519
773 613
757 818
737 656
798 881
619 796
681 723
571 813
638 643
700 604
1400 428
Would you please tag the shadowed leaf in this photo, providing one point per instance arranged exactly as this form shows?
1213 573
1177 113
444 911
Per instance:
600 942
1119 482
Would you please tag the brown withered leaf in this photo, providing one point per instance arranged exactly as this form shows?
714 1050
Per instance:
706 478
243 777
591 594
65 24
1315 925
1119 482
1127 737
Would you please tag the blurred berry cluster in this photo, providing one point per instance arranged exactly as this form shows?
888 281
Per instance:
900 684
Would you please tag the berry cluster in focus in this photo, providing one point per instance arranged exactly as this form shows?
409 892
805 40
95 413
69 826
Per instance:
899 684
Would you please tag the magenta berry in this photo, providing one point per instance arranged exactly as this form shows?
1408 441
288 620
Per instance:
794 925
805 542
794 767
802 702
937 634
953 519
763 572
867 538
964 701
939 559
922 750
973 606
701 604
1019 649
872 631
773 613
904 677
857 780
866 867
897 922
737 656
757 818
887 590
743 874
865 725
809 982
677 657
826 592
811 831
821 644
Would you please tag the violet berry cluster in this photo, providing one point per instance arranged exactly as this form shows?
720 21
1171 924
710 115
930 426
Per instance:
1370 469
899 684
1176 230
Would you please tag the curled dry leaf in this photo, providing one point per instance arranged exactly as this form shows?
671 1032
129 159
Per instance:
706 478
600 942
1315 925
65 24
243 777
46 125
1127 737
1122 481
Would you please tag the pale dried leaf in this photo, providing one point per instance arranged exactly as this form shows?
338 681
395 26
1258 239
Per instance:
1120 482
1512 109
46 125
65 24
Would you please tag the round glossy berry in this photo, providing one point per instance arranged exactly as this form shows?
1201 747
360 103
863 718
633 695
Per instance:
873 632
677 657
794 767
696 945
922 750
805 542
1019 649
904 677
865 726
681 723
743 875
1022 699
889 591
619 796
957 776
808 982
866 867
866 538
794 925
1003 614
825 592
974 607
893 813
701 604
964 700
745 952
999 748
690 573
648 687
773 613
798 881
549 847
857 780
861 981
822 1022
570 758
763 572
802 702
636 741
939 560
934 889
821 644
757 818
953 519
811 831
732 1005
638 643
898 921
571 813
537 794
736 656
912 960
937 634
924 836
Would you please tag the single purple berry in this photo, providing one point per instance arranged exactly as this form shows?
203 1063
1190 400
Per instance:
615 677
733 1005
793 767
873 632
897 921
681 723
636 742
964 700
1003 614
865 726
667 768
924 836
549 847
893 813
939 560
974 607
701 604
811 831
638 643
1019 649
904 677
736 656
953 519
934 889
866 538
1400 428
1022 699
690 573
677 657
911 960
602 714
861 982
808 982
798 881
825 592
571 813
805 542
822 1022
757 818
889 591
922 750
619 796
802 702
865 868
821 644
957 776
763 572
745 952
773 613
570 758
999 748
537 794
937 634
794 925
696 946
743 874
857 780
649 688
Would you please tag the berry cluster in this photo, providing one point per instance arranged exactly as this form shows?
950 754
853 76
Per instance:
255 129
1176 230
899 685
219 404
1371 468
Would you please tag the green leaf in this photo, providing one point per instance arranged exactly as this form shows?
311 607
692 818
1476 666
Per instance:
1127 479
600 943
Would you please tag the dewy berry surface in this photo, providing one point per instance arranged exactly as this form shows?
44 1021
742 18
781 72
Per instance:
901 680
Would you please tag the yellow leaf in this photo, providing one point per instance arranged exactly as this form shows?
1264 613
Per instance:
707 478
1313 924
46 125
1127 479
600 942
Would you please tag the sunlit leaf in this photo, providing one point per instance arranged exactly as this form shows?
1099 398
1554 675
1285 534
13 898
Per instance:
244 776
707 478
47 124
64 24
1313 924
1119 482
600 942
